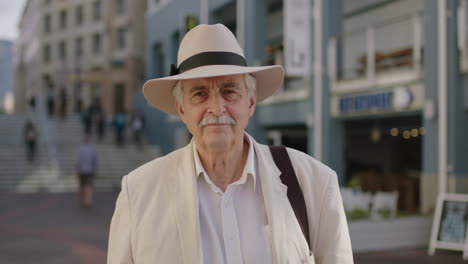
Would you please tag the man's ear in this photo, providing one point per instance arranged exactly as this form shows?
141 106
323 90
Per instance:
180 108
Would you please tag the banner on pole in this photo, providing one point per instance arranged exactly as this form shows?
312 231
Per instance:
297 37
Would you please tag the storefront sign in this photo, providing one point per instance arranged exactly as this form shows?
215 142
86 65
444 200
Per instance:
297 37
402 97
366 102
397 99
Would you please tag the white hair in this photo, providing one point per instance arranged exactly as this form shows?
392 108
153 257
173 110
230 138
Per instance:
177 92
250 82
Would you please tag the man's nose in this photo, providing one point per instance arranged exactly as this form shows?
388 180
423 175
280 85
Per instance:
216 104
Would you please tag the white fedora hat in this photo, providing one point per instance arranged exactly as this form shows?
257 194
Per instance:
209 51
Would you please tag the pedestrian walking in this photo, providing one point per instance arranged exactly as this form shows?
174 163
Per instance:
30 138
100 119
120 121
86 168
137 127
87 119
63 103
32 103
51 101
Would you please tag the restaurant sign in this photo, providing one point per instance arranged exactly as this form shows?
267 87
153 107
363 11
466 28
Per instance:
388 100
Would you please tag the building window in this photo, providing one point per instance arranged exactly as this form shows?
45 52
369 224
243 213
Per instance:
62 51
63 19
97 43
175 46
78 47
158 61
97 10
120 6
79 15
117 64
121 37
47 23
46 53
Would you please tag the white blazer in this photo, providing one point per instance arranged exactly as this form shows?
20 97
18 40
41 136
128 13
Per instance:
156 216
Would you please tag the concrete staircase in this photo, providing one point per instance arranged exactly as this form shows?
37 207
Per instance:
15 169
113 161
54 170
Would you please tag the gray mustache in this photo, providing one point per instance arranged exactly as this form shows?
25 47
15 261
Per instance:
223 119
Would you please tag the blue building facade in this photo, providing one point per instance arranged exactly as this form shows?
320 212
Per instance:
378 72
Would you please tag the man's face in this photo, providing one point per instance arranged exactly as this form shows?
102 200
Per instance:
205 98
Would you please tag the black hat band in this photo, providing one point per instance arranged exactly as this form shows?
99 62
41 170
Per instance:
209 58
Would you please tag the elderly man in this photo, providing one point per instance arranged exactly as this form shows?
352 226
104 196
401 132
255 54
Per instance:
221 199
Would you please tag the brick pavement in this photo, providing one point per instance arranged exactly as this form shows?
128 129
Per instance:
51 228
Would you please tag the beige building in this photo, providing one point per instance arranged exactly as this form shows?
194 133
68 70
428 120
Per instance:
26 56
91 49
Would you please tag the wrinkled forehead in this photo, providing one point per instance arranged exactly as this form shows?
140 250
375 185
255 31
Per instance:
218 81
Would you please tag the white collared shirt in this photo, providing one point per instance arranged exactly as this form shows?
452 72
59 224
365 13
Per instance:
232 224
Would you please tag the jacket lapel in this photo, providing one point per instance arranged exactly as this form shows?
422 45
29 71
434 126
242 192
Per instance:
287 238
275 200
186 211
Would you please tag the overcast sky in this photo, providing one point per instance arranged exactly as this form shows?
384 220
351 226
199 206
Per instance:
10 12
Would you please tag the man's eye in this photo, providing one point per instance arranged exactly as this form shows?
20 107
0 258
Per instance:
199 94
228 92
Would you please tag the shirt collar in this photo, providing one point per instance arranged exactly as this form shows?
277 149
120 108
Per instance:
249 168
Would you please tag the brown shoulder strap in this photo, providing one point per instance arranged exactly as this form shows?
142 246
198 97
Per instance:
295 196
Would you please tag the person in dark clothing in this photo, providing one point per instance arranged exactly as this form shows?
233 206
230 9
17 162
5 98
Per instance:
100 119
30 138
87 118
137 127
51 101
120 120
63 102
86 168
32 102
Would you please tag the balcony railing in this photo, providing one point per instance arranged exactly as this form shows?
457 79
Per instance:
368 56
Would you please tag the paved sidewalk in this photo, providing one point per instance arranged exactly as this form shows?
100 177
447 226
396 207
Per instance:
50 228
410 256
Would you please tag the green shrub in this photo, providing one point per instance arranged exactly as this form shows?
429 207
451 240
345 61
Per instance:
384 212
357 214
